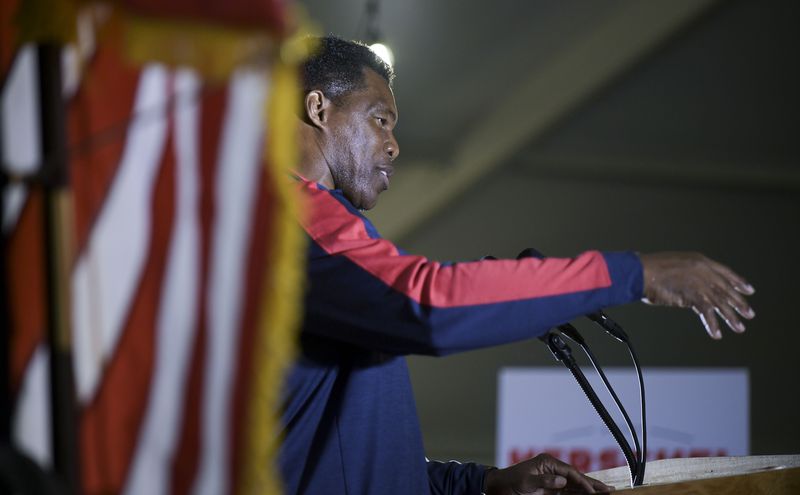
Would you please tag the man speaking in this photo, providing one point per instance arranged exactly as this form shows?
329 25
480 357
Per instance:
349 418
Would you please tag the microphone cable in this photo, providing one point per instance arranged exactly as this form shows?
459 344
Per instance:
638 473
616 331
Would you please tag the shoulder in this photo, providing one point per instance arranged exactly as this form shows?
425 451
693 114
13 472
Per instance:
327 213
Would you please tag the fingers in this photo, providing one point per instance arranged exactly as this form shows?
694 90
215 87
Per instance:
590 485
577 480
735 300
726 311
546 484
709 321
601 487
730 319
737 282
544 474
708 317
554 483
722 297
548 481
728 305
733 286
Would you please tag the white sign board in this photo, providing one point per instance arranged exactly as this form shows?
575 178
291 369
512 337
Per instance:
690 413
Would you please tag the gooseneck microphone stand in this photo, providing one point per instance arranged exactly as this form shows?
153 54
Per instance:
562 352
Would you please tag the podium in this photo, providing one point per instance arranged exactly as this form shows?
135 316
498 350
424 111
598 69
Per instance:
766 474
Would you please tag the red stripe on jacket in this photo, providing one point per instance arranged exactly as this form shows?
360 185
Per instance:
339 232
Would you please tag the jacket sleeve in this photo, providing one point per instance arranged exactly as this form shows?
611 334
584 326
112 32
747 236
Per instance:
455 478
364 291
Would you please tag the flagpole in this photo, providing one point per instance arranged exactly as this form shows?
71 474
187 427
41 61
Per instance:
59 254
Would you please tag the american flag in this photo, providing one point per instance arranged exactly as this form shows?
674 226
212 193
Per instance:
183 288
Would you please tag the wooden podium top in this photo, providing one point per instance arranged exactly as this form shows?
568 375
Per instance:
767 474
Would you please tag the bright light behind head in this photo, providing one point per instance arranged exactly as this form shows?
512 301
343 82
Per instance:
383 52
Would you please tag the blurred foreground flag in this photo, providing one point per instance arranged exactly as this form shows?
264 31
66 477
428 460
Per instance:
185 267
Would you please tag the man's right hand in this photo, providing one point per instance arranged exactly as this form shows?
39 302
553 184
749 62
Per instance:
690 280
541 475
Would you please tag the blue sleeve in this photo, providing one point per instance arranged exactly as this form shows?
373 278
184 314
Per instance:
455 478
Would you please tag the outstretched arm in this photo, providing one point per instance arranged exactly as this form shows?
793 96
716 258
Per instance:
363 290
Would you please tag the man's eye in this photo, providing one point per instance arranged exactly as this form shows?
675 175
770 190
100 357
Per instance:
381 121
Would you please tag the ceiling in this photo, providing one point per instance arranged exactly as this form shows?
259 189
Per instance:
691 90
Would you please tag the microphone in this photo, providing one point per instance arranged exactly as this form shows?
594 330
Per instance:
610 326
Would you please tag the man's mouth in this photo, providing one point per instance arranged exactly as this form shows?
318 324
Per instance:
385 173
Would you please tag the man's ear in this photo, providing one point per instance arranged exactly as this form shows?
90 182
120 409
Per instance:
316 108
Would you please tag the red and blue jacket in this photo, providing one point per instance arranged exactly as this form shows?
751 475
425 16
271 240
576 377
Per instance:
349 418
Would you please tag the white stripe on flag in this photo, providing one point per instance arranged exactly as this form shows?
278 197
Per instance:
21 146
177 315
20 102
32 424
239 160
107 274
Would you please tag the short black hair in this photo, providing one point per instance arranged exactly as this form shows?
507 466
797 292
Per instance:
336 67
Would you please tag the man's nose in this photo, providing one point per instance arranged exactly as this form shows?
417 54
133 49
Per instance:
391 148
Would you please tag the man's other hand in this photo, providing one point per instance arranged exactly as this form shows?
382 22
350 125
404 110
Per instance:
690 280
541 475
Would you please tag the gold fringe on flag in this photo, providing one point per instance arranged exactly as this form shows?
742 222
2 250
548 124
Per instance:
214 51
280 313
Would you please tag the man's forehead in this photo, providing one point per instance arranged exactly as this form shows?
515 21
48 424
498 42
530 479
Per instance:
381 95
373 78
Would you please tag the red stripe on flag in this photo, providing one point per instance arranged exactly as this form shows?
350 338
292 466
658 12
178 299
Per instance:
109 425
8 37
184 466
262 239
25 266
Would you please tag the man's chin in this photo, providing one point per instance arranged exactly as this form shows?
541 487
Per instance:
368 203
368 206
362 200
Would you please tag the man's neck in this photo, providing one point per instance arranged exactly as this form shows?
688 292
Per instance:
313 164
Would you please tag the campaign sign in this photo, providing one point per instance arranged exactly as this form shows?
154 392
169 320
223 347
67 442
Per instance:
690 413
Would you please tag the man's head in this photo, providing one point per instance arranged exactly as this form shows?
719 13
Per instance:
336 67
350 113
